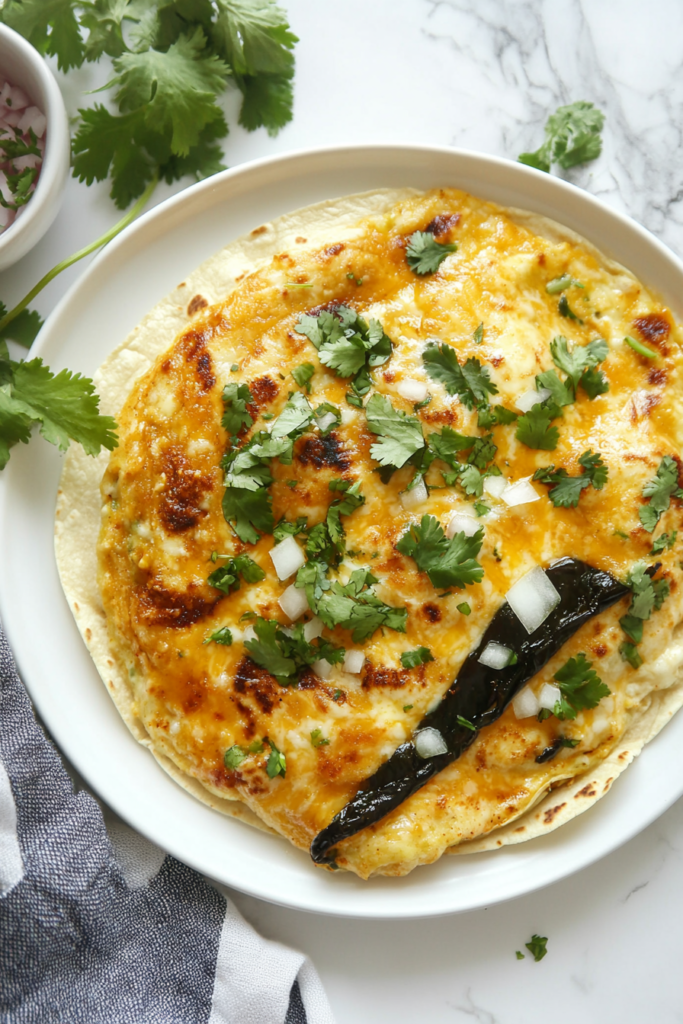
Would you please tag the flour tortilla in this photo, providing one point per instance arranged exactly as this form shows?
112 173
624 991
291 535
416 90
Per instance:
78 503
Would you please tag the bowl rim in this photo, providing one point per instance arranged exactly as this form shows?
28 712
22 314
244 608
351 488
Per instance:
43 205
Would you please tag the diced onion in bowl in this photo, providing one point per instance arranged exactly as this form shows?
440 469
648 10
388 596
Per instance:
531 398
412 390
429 743
313 629
326 420
353 662
460 522
522 492
549 696
495 655
287 557
293 602
525 703
495 485
322 668
533 598
419 493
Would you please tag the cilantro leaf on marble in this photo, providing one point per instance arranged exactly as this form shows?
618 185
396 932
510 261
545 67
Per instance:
572 136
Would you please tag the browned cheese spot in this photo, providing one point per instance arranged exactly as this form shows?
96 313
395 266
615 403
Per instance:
431 613
656 377
158 606
264 391
195 351
253 681
323 452
390 678
195 304
654 328
443 224
184 489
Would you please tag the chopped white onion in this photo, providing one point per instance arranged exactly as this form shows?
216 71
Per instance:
549 696
429 742
412 390
533 598
495 655
353 662
419 493
529 399
287 557
326 420
249 634
32 118
522 492
293 602
525 703
322 668
460 522
495 485
313 629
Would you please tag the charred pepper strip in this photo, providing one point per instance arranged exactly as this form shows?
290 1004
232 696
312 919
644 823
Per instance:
479 695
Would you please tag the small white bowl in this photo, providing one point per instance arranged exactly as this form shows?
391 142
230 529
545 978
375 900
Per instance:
22 65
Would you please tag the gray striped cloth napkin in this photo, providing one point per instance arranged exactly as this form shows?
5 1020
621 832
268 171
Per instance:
101 927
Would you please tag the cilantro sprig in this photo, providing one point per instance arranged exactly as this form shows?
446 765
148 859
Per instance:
420 656
565 490
226 578
648 596
401 434
353 606
424 254
65 406
572 136
471 381
347 343
287 654
580 688
448 563
660 490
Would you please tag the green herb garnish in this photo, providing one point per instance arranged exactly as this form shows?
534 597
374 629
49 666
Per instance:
641 349
660 490
580 687
572 136
317 739
277 762
537 946
471 381
448 563
411 659
302 375
565 490
424 254
221 636
226 577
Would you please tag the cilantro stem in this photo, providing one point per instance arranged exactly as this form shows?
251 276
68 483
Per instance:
637 346
97 244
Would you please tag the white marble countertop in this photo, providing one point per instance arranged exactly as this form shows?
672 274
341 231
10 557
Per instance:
480 74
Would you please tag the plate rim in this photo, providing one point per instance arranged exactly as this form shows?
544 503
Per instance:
48 339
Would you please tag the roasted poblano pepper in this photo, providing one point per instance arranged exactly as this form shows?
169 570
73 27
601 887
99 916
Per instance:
479 695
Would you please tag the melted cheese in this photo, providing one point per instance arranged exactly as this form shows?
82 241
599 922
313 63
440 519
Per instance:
162 520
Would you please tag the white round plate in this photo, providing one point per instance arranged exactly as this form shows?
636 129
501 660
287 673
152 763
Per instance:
132 274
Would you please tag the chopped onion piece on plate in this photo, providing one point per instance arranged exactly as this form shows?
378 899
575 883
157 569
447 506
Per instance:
549 696
326 420
322 668
529 399
412 390
313 629
495 485
533 598
353 662
495 655
525 703
429 743
461 522
419 493
293 602
287 557
521 492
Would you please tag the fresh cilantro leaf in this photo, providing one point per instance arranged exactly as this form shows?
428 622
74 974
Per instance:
354 606
490 415
580 687
594 383
572 136
51 26
664 541
565 490
411 659
482 452
347 343
447 443
226 577
248 512
267 102
296 416
537 946
401 434
276 763
317 739
560 393
447 563
104 19
15 424
579 359
286 654
236 397
254 37
519 954
234 756
660 490
648 595
65 404
424 254
220 636
478 335
629 652
105 142
302 375
284 528
534 429
23 328
471 382
565 310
